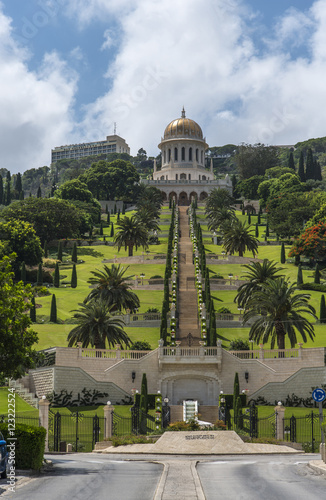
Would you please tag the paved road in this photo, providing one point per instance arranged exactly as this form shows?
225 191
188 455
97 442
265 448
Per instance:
260 477
108 477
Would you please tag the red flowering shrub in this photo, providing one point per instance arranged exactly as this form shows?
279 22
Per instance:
311 243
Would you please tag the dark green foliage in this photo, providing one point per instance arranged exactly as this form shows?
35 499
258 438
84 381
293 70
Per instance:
101 229
291 161
29 449
283 259
317 171
301 172
106 209
39 279
118 215
259 217
317 287
1 191
59 255
141 345
32 311
256 231
115 209
236 389
46 250
322 314
239 345
108 218
317 275
267 230
299 275
112 230
39 192
143 398
238 420
74 253
123 209
310 174
56 276
229 400
53 313
170 203
23 272
74 277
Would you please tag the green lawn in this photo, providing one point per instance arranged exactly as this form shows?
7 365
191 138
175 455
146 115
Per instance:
21 406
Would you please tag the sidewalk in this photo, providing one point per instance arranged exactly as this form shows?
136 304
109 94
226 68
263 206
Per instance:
318 466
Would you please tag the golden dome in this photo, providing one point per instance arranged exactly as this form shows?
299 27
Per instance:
183 127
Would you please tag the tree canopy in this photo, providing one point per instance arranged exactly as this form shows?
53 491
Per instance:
255 159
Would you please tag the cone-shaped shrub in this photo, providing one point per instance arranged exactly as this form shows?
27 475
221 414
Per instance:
108 218
39 278
317 275
299 275
101 229
74 277
112 230
32 311
322 310
282 253
56 276
59 256
53 313
236 390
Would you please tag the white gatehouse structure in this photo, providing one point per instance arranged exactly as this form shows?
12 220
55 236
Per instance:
183 176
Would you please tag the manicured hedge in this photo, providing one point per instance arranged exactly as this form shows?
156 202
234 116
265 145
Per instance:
317 287
30 443
229 400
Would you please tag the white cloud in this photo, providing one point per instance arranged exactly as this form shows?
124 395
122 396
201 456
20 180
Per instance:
36 107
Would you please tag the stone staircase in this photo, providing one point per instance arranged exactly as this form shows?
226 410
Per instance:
187 299
23 393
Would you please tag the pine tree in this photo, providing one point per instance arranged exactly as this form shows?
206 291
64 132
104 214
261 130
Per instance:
291 161
46 253
310 165
39 279
317 275
108 218
299 275
301 172
23 272
59 256
74 277
112 230
74 253
322 316
39 192
32 311
53 313
56 276
282 253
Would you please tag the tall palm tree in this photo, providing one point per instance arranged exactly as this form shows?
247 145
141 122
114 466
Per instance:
112 286
237 238
220 217
149 195
148 219
281 314
130 234
257 274
218 198
96 326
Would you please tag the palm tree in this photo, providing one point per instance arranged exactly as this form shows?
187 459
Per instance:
149 195
148 219
130 234
257 274
112 286
237 238
281 314
97 327
221 217
218 198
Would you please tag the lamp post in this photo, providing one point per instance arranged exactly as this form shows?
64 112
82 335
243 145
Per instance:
230 277
142 275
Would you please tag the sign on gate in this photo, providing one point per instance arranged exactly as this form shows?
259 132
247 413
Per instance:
319 395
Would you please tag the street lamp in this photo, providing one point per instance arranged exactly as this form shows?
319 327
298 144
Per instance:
142 275
230 277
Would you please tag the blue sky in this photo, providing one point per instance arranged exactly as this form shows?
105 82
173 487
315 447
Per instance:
246 70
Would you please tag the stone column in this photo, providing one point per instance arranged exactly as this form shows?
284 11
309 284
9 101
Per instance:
280 411
108 410
323 452
43 408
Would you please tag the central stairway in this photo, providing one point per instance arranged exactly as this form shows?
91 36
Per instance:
187 298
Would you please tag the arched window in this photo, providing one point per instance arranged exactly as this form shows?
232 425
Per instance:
162 177
169 155
183 154
183 176
176 177
197 154
175 154
189 177
190 154
204 177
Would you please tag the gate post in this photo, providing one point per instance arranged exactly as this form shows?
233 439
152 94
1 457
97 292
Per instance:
108 415
43 408
279 417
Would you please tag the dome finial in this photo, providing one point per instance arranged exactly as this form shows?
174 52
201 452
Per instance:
183 113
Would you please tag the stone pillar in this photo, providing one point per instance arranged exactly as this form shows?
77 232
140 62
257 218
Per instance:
108 410
43 408
261 351
280 411
322 449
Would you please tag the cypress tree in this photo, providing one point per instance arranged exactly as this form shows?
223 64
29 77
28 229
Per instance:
301 172
90 233
106 209
123 209
267 230
39 279
46 253
170 203
112 230
74 277
118 216
322 315
53 313
39 192
56 276
291 162
282 253
238 413
32 311
7 195
74 253
108 218
101 229
249 219
317 171
115 208
1 191
310 165
259 218
256 231
21 195
59 255
18 186
99 217
236 390
299 275
23 272
317 275
144 392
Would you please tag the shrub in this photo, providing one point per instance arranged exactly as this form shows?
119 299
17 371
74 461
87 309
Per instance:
141 345
156 277
124 440
312 286
239 345
223 310
29 445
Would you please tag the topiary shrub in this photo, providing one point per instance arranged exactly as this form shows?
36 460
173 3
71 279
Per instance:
239 345
141 345
223 310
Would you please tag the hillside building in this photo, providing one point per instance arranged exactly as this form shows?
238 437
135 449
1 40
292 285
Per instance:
112 144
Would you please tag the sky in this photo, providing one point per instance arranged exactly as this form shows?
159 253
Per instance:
247 71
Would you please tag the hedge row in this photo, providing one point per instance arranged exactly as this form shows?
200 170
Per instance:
29 446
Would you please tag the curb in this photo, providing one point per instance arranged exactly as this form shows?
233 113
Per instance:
318 466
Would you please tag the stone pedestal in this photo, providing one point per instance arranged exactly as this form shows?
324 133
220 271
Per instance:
280 411
43 406
108 411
